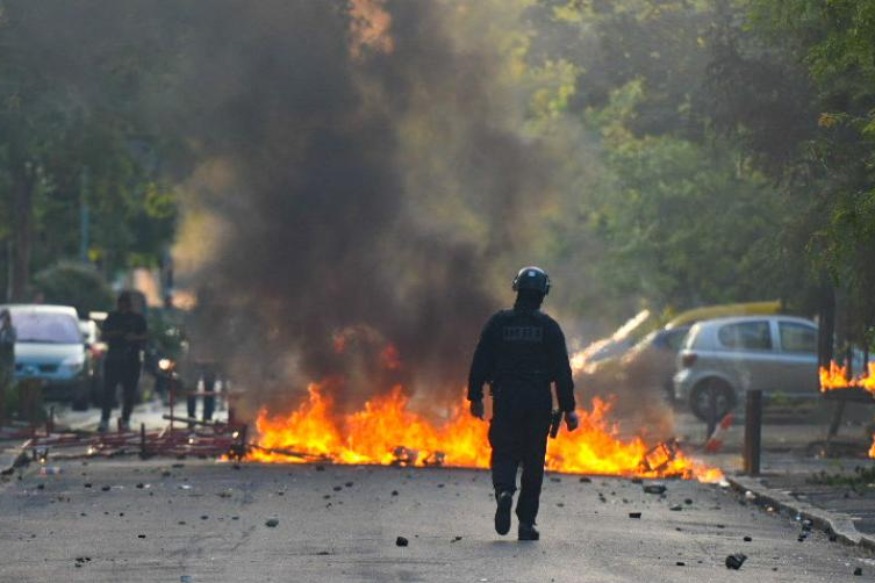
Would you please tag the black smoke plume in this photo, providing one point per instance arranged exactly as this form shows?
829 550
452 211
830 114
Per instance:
361 197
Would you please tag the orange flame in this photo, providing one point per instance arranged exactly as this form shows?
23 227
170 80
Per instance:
836 377
386 432
872 449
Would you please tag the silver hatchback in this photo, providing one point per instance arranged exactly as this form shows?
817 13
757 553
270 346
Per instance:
722 359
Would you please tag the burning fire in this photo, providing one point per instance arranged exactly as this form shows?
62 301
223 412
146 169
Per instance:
836 377
386 432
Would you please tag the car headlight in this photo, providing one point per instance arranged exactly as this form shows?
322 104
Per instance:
73 364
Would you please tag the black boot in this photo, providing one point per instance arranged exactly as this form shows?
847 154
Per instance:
504 501
527 531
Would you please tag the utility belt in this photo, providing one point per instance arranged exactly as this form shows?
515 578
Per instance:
529 383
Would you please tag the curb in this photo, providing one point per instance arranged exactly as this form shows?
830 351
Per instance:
831 522
11 458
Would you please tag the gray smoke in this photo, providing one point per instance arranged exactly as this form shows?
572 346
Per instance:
356 199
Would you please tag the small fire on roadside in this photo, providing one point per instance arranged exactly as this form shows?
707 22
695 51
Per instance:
386 432
836 377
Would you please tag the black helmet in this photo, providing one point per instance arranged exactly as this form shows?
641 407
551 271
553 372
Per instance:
533 278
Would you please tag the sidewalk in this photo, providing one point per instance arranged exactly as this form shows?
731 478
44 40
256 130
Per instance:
836 493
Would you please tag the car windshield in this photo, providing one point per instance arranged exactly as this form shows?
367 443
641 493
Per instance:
46 327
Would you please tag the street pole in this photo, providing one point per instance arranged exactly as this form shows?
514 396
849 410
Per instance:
84 218
753 425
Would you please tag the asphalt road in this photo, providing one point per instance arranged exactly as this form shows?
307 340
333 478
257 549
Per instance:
194 520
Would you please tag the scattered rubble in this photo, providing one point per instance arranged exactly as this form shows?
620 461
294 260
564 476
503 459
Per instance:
272 523
655 489
735 561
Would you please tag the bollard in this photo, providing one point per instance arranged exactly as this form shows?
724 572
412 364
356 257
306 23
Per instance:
753 432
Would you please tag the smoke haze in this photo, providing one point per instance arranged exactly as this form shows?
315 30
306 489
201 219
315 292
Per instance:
363 193
359 180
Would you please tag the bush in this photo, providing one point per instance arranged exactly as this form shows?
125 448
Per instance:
74 284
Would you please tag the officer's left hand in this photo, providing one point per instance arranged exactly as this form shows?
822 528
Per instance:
572 421
477 409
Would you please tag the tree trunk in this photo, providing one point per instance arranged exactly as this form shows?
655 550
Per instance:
23 182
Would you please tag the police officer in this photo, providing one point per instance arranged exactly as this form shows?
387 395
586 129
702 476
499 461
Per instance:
125 332
520 353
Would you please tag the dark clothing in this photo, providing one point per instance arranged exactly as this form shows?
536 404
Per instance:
520 353
123 362
115 327
126 373
522 350
207 372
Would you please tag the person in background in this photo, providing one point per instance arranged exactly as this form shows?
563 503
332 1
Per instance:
125 332
521 352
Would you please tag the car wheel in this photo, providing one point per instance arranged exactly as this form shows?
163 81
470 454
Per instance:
711 399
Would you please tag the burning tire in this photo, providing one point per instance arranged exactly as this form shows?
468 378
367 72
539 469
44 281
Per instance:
711 399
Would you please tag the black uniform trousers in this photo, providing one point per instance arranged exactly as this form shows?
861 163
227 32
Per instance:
518 436
124 371
208 374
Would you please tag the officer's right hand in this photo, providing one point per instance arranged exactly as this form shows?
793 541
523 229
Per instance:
572 421
477 409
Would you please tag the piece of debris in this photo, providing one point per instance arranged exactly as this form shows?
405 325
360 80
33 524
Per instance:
456 539
858 572
688 501
659 456
272 523
404 456
747 539
735 561
748 495
394 492
435 460
676 508
401 541
655 489
585 480
680 564
338 488
348 484
634 515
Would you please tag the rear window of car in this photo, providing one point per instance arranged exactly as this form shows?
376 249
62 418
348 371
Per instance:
797 337
46 328
746 336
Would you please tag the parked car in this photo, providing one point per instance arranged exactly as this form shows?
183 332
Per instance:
50 347
97 351
649 365
723 358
